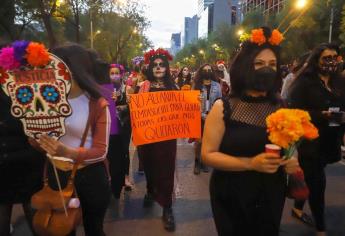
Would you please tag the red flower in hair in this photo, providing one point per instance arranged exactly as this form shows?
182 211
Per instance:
3 76
160 51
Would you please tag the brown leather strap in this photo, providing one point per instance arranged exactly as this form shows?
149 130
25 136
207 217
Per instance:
83 139
82 143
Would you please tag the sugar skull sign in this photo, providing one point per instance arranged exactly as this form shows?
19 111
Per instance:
39 96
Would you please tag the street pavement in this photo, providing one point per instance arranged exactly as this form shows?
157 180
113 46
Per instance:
192 206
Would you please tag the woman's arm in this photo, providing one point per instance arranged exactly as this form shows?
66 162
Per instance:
98 150
100 139
212 138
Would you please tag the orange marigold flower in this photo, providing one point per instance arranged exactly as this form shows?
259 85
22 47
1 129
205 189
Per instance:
37 54
288 126
310 131
276 37
258 37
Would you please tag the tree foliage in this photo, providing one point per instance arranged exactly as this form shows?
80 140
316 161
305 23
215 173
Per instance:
117 27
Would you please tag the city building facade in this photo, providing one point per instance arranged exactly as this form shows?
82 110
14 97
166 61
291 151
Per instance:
190 30
266 6
175 43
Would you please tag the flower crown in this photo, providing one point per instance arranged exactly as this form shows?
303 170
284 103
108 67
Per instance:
137 60
258 37
155 53
118 66
220 62
22 53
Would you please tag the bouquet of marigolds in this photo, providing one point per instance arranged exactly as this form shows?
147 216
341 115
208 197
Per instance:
288 127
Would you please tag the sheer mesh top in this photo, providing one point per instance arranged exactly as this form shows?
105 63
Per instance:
249 111
245 125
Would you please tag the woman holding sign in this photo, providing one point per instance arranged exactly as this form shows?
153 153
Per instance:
159 158
247 186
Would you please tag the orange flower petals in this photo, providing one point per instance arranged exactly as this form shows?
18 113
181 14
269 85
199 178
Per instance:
276 38
37 54
258 37
288 126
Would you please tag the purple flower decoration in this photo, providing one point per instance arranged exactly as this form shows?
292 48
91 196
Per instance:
7 60
137 60
20 50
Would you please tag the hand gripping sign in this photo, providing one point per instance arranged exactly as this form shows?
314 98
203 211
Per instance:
38 92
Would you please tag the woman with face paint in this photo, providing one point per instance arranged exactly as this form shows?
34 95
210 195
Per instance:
159 158
205 80
320 90
247 186
184 79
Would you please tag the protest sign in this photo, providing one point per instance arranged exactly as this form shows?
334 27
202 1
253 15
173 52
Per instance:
166 115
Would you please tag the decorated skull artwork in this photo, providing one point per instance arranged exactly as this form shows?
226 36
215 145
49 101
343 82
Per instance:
39 97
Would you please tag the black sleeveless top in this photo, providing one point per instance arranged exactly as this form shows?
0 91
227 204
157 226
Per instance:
245 136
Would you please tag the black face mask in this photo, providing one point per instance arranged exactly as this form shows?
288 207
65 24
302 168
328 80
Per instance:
263 79
206 75
329 67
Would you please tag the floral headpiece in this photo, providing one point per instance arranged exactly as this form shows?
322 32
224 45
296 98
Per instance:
118 66
258 37
160 52
220 62
137 60
23 53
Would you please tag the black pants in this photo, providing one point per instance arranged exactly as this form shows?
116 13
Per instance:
315 178
126 132
117 164
92 187
5 217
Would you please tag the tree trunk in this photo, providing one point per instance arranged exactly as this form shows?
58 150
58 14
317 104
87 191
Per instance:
76 19
50 32
47 24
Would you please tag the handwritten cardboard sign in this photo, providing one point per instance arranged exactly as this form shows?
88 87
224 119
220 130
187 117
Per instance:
159 116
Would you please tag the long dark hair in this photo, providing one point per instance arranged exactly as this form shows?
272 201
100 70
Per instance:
242 68
101 68
311 70
198 79
180 77
80 62
168 82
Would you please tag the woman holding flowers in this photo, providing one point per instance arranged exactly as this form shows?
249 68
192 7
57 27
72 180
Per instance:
319 90
247 186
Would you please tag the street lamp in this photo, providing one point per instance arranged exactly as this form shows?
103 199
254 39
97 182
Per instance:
300 4
91 23
59 3
240 32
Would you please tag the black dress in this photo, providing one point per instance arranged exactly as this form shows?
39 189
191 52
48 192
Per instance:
159 166
247 202
20 165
